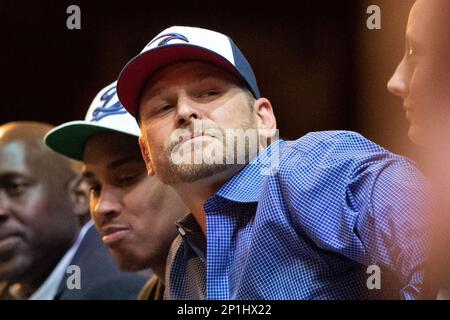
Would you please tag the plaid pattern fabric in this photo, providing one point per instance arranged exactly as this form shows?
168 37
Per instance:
335 204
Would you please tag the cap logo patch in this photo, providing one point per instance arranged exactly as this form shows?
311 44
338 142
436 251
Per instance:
108 108
166 38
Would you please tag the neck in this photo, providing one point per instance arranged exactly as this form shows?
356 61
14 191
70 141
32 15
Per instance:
195 194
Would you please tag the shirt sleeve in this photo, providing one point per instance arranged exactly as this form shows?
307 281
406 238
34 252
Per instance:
354 198
394 227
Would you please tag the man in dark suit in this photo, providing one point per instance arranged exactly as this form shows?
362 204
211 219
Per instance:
48 248
101 279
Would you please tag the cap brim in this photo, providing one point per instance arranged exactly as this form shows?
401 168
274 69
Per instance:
134 75
69 139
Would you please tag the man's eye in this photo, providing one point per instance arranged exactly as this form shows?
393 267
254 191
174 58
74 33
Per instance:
95 190
209 93
128 179
164 109
16 189
411 52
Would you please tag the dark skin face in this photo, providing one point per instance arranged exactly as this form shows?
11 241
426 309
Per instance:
135 214
38 221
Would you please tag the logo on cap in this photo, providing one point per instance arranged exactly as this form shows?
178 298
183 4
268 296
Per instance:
108 108
168 37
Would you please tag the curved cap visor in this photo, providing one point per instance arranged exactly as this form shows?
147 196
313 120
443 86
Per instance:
136 73
69 139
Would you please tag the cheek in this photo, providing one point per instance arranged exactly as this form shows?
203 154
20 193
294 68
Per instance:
422 96
154 196
156 138
45 225
139 205
231 115
426 85
417 87
33 209
427 97
95 216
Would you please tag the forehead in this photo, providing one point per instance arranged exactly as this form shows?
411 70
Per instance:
418 21
186 72
106 147
15 157
427 19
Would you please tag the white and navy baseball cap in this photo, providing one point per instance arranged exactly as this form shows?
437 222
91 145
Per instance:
105 113
177 44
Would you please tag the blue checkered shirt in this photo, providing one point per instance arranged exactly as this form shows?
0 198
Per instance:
334 204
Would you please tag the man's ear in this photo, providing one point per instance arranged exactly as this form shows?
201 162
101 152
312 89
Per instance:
146 156
267 124
79 196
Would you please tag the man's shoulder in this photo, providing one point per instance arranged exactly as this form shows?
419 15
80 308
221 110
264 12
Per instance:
331 146
328 139
334 154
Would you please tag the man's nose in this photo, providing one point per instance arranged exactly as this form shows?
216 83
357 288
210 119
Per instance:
399 83
108 205
187 111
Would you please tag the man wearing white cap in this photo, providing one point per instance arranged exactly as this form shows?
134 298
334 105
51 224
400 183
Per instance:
270 219
134 213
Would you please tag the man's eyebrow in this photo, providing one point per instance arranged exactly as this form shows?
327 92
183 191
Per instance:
120 162
11 175
157 90
113 165
154 92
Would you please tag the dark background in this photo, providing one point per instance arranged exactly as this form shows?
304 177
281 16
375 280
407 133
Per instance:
315 60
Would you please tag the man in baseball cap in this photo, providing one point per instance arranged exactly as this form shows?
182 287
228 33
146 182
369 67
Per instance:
186 43
271 219
49 249
134 213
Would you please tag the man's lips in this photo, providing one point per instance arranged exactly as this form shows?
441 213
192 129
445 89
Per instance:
8 234
113 234
193 135
8 242
189 138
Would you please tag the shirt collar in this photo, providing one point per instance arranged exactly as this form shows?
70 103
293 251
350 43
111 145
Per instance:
247 185
191 232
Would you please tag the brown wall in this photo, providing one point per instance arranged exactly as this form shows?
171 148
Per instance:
380 115
315 60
